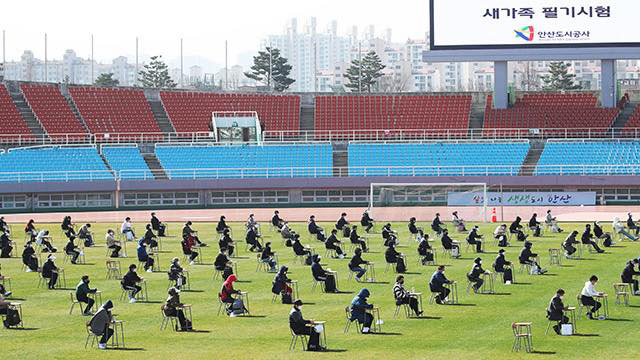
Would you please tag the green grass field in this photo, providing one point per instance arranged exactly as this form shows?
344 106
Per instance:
480 328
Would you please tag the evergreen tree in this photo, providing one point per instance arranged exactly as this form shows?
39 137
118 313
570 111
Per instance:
364 78
106 80
559 78
156 75
271 69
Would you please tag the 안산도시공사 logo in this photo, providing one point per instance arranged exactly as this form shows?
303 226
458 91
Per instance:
526 33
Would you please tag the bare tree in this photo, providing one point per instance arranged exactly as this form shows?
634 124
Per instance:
394 83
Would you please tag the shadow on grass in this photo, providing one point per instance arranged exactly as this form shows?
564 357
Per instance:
411 273
126 349
251 317
376 283
586 335
425 318
462 305
619 320
242 258
197 332
538 352
334 350
204 264
384 334
24 329
84 264
193 291
63 289
567 266
522 283
497 294
340 293
150 302
16 299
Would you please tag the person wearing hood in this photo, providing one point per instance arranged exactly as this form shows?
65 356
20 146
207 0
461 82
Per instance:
500 234
269 257
359 310
50 271
228 295
113 244
157 225
568 244
534 225
226 242
526 257
144 257
150 238
475 275
475 239
300 326
357 240
127 229
252 239
619 228
82 294
628 275
222 225
502 266
29 258
282 286
100 322
437 225
173 308
224 264
450 244
176 273
587 239
457 222
424 248
516 228
556 309
322 275
130 283
71 250
404 297
355 265
367 222
607 241
333 243
632 225
437 285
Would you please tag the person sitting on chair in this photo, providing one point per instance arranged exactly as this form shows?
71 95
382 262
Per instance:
127 229
587 239
389 235
424 248
113 244
268 257
144 257
587 296
568 244
3 225
100 324
187 230
632 225
457 222
556 309
359 310
313 226
619 228
552 223
392 256
342 222
282 286
355 265
628 275
85 235
130 283
357 240
226 242
300 326
252 239
150 238
437 225
188 245
31 230
82 294
475 239
5 243
50 271
516 228
298 248
367 222
71 250
173 308
436 285
222 263
534 225
413 228
276 221
321 275
502 266
607 241
251 222
285 232
176 273
333 243
222 225
475 274
228 295
68 227
29 258
3 290
44 240
500 234
526 257
158 226
450 244
403 297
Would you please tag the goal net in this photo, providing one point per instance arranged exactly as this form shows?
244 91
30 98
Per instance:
469 200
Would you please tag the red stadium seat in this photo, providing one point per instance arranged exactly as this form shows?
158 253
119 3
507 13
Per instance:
52 109
11 122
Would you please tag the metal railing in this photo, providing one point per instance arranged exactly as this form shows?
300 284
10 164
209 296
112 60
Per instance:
58 176
104 138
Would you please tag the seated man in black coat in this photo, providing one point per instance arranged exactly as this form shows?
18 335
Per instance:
50 271
475 239
628 275
502 266
516 228
333 243
252 239
320 274
475 275
527 257
534 225
298 248
157 225
366 221
300 326
436 285
437 225
276 221
356 239
556 309
450 244
587 239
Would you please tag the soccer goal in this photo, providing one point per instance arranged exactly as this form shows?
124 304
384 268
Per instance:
468 199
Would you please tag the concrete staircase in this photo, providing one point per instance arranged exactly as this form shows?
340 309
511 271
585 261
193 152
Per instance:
340 159
531 161
154 164
161 116
307 117
27 114
76 112
624 116
476 120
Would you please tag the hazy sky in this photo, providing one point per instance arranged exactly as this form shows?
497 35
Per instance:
204 25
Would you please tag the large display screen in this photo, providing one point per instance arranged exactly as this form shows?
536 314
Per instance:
503 24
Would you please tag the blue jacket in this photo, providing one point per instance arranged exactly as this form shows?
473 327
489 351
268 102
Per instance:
437 282
359 306
142 253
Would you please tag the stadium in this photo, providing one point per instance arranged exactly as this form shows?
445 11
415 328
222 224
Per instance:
190 187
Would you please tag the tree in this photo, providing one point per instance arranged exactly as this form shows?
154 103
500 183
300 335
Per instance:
559 77
394 83
364 77
107 80
271 69
156 75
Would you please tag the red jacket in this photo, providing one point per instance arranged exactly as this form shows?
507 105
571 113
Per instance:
227 288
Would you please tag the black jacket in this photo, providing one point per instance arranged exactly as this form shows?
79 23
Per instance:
555 311
447 243
413 229
533 222
221 261
313 227
297 323
298 249
476 272
48 268
366 220
597 231
391 255
515 226
266 253
318 272
586 237
526 255
221 226
423 247
130 279
473 237
341 223
356 261
354 236
155 223
332 242
500 262
628 273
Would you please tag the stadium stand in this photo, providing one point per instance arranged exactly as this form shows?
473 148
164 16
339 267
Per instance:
52 109
280 160
191 111
551 111
53 164
586 156
437 159
110 110
634 119
392 112
12 122
127 158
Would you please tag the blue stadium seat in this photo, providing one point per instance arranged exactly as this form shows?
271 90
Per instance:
437 159
127 158
590 158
